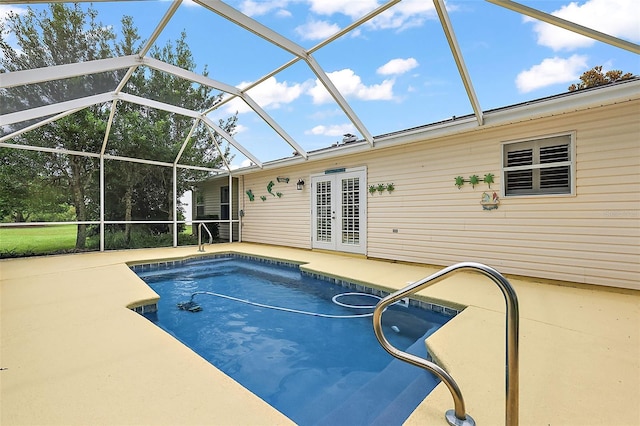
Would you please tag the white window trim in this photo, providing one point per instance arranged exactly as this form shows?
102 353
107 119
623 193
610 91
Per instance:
571 163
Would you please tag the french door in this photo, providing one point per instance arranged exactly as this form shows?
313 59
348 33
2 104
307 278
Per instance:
339 211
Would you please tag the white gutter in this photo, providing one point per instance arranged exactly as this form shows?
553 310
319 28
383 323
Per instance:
562 104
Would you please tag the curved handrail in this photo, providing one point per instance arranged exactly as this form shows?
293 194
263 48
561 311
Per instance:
200 243
458 416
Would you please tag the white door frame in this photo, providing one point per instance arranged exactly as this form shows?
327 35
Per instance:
335 225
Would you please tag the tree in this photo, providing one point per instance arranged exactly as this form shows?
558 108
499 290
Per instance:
68 34
24 192
139 130
62 35
595 77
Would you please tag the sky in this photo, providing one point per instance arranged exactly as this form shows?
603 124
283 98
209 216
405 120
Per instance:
396 71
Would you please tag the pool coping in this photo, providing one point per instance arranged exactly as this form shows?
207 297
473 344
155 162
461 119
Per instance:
72 348
151 306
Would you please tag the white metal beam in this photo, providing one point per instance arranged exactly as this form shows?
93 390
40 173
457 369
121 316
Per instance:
53 109
459 59
342 102
160 27
189 75
215 143
337 35
253 26
39 124
157 105
568 25
58 72
149 43
105 140
186 141
231 140
377 11
52 150
274 125
106 156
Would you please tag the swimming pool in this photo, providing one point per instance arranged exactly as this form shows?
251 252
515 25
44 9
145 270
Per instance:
304 345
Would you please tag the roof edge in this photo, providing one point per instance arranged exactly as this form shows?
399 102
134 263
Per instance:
584 99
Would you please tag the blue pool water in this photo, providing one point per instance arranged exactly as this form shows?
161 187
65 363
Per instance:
316 370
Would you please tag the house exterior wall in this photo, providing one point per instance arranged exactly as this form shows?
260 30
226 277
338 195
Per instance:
210 192
590 237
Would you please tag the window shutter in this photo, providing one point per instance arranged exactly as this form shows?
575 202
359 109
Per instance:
523 157
554 179
519 180
540 166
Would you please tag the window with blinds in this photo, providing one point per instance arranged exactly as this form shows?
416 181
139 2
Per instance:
224 203
538 167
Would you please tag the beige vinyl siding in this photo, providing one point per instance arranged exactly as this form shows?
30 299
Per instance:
590 237
211 194
280 221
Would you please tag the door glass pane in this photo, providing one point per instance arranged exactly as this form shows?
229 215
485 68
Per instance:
350 211
323 213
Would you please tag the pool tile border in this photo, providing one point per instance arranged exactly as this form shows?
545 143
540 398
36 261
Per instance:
166 264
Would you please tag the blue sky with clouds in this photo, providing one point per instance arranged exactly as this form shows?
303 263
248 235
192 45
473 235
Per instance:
395 71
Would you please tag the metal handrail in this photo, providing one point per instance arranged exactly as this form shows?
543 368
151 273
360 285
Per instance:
200 243
458 416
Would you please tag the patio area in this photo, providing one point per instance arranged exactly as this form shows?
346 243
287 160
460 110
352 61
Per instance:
73 352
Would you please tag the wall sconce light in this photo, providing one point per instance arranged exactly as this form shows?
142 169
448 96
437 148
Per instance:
300 184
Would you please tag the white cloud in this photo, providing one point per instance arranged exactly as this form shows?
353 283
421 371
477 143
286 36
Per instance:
268 94
353 9
618 18
5 10
406 14
262 7
317 30
245 163
397 66
551 71
9 37
332 130
240 129
284 13
350 85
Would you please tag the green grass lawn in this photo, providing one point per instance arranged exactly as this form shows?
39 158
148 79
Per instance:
37 239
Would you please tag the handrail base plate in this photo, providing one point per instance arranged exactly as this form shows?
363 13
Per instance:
450 415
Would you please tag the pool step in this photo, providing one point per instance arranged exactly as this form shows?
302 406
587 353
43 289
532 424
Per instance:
316 408
389 398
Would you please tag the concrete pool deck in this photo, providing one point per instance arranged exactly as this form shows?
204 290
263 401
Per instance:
73 353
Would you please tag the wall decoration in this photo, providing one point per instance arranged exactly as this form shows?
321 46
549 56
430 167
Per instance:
282 179
279 194
488 179
263 198
474 180
270 187
381 187
489 202
250 195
